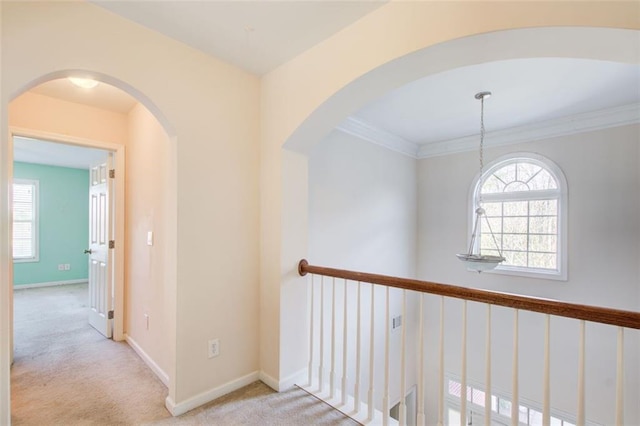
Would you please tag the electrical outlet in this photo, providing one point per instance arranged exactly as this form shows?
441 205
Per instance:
396 322
146 319
67 267
61 267
214 348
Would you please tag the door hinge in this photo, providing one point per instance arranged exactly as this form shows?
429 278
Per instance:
110 315
112 244
112 173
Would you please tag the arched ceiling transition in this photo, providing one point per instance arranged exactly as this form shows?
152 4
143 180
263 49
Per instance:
545 82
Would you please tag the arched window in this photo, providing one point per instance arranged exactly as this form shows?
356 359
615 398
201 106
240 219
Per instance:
525 199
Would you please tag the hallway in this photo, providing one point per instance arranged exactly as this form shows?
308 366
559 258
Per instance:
66 373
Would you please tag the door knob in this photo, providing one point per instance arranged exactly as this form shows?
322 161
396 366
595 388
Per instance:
87 251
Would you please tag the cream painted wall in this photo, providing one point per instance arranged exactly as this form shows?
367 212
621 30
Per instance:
39 112
147 284
211 112
304 99
602 171
363 217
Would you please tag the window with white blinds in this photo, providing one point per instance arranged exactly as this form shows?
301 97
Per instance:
25 220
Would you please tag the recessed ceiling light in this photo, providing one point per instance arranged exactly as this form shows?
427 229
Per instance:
85 83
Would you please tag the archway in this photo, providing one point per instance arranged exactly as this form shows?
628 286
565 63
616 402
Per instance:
140 120
605 44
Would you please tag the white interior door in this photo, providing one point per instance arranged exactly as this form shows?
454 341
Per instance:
99 251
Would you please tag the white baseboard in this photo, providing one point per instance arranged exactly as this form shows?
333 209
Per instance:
164 378
298 378
269 381
49 284
210 395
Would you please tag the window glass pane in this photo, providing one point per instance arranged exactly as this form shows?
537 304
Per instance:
22 211
526 171
543 243
555 421
22 249
543 260
542 180
492 185
478 397
489 252
506 174
24 216
515 258
514 242
515 225
454 388
535 417
516 187
22 230
492 209
494 403
543 225
487 242
543 208
491 224
523 415
516 208
504 407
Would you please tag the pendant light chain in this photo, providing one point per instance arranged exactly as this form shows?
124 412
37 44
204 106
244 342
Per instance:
482 96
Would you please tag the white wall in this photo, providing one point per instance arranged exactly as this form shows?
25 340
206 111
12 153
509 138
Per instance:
362 217
362 207
602 171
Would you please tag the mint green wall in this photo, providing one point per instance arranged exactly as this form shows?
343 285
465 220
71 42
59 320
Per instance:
64 224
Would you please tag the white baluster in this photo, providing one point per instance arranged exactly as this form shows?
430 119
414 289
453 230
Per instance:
310 378
441 372
344 347
421 421
402 418
371 353
321 366
356 390
546 396
385 399
487 369
515 403
581 349
463 378
332 375
620 379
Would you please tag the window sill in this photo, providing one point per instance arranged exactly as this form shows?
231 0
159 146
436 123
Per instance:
541 274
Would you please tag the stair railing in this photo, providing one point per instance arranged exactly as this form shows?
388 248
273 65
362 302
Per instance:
350 400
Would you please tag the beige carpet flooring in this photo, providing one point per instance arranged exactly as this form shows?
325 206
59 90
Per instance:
66 373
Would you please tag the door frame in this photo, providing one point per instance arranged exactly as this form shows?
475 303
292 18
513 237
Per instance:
119 227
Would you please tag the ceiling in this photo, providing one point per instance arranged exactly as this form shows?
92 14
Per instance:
434 111
257 36
103 96
36 151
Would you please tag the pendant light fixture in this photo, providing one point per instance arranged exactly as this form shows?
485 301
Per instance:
473 259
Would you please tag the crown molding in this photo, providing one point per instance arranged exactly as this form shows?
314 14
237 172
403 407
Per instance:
579 123
368 132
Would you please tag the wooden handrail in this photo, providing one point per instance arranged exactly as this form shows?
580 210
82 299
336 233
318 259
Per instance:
598 314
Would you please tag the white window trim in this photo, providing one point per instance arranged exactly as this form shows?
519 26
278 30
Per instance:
562 273
36 220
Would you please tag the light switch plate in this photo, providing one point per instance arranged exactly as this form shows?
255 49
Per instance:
150 238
